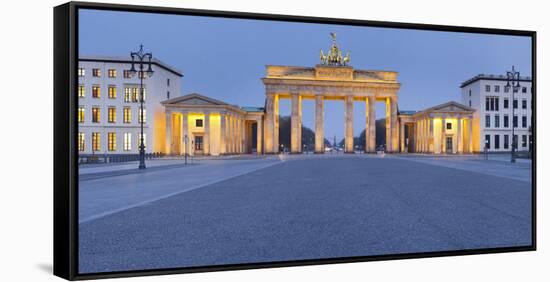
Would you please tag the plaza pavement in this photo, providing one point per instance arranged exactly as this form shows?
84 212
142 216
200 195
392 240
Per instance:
292 207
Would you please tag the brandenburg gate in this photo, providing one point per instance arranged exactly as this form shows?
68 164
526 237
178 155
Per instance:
332 79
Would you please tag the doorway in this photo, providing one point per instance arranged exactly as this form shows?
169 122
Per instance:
449 145
199 145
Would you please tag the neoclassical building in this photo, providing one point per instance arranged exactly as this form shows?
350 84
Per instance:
201 125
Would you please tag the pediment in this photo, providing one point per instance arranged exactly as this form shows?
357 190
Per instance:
451 107
194 99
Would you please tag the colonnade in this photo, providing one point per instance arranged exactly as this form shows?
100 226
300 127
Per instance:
272 122
230 135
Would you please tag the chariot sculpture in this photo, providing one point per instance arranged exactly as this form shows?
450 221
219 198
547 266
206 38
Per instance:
334 55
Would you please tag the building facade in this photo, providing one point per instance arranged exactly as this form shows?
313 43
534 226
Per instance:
442 129
497 110
108 105
199 125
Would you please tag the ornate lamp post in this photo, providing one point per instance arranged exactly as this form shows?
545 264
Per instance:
142 59
512 80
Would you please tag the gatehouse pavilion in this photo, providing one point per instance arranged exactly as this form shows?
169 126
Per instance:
201 125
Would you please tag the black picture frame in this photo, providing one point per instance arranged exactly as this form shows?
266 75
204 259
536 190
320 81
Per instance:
65 130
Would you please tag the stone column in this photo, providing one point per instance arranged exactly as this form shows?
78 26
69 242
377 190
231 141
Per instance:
239 135
443 140
243 136
370 130
421 135
349 124
231 134
168 145
470 136
319 125
459 142
296 124
276 125
431 146
388 125
271 128
394 125
427 134
206 141
402 136
185 132
417 140
259 132
223 132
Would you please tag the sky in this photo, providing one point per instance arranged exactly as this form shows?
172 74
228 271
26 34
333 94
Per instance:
225 58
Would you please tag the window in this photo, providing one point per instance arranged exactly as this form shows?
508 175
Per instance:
80 114
487 121
497 88
81 142
96 114
127 94
127 74
470 103
144 94
142 116
127 115
135 94
112 114
524 121
497 122
515 141
96 141
81 91
515 103
167 82
524 104
523 141
198 123
497 141
524 89
81 72
505 103
488 141
127 141
112 92
506 141
449 126
111 138
515 122
506 89
487 88
112 73
506 121
167 94
491 103
96 72
144 140
96 92
470 93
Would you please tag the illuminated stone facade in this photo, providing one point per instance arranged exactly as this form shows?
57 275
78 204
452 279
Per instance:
443 129
322 83
200 125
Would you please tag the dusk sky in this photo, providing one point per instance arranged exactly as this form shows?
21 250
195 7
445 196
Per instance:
226 58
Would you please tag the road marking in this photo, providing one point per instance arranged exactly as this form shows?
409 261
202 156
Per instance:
104 214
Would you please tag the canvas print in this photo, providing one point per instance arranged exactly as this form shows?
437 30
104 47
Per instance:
212 141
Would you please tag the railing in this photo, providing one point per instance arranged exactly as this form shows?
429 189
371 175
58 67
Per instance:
114 158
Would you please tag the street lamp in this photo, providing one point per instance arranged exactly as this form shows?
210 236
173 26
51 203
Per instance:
512 80
141 59
186 141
